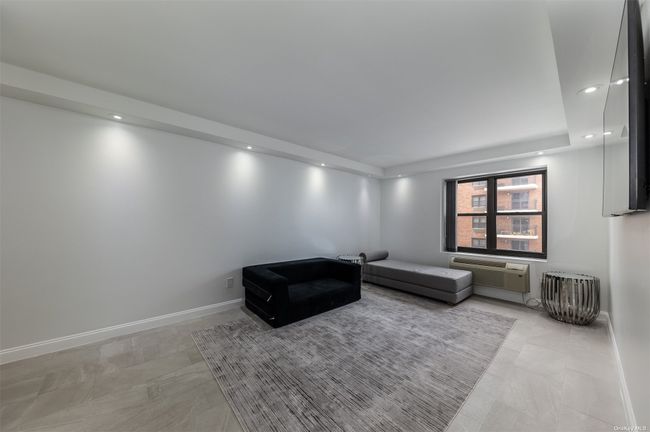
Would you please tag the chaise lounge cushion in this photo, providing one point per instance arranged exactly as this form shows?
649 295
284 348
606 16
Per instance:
440 278
374 256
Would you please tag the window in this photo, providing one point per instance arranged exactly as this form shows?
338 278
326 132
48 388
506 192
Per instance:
520 245
508 217
519 181
519 201
520 224
479 201
480 185
479 243
479 222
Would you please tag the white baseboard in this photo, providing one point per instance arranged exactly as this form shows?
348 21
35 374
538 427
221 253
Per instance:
630 418
57 344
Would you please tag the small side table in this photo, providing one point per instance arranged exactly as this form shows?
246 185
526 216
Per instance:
571 297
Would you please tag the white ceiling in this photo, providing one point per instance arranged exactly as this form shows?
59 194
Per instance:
380 83
585 36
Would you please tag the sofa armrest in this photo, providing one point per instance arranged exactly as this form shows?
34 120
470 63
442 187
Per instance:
264 279
269 294
345 271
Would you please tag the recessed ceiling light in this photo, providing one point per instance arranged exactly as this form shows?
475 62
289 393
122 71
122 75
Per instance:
322 164
620 82
606 133
589 136
249 148
540 153
589 89
399 175
117 117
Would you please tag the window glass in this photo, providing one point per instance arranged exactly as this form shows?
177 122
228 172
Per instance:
519 232
520 224
515 227
466 233
471 198
521 245
479 243
479 202
521 193
479 222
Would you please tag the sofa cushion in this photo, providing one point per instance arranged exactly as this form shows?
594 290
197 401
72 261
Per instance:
440 278
317 290
301 270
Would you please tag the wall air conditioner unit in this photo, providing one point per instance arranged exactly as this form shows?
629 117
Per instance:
497 274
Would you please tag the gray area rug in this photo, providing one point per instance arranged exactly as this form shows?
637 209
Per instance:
389 362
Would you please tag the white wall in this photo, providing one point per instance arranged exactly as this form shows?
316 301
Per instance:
412 224
104 223
629 254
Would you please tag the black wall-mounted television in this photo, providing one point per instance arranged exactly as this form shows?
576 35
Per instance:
625 150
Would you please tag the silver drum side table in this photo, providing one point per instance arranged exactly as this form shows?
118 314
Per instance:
571 297
354 259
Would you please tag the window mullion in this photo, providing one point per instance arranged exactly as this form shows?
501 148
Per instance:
492 214
450 238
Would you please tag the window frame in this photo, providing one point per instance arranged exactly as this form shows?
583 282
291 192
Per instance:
492 213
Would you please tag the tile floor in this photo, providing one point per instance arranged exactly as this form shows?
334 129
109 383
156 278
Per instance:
547 376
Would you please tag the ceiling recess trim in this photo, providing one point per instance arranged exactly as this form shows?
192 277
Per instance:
31 86
515 150
25 84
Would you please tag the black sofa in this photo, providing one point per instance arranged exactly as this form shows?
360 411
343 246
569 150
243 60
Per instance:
285 292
